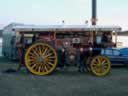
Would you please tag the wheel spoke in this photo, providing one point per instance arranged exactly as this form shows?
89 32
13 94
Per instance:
103 62
32 54
40 52
50 63
51 57
37 50
45 51
31 64
37 67
36 54
98 60
95 62
48 55
48 52
52 60
48 67
42 68
32 60
34 65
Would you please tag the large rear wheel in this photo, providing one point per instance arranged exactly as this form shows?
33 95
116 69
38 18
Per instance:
40 59
100 65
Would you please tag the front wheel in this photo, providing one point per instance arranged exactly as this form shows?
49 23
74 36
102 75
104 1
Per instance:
100 65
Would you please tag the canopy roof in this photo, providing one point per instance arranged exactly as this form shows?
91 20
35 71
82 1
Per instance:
53 28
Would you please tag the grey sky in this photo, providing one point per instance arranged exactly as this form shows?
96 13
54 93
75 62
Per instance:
110 12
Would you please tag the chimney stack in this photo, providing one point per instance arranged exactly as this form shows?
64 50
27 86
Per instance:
94 12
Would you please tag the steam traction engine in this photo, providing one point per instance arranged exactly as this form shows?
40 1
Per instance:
42 49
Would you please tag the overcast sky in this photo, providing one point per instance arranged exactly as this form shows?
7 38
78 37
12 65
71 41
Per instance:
110 12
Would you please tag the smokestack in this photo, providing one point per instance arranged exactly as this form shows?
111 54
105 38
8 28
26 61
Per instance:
94 12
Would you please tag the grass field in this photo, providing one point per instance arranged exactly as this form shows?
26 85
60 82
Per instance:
62 83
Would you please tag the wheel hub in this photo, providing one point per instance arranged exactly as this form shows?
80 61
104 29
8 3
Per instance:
39 59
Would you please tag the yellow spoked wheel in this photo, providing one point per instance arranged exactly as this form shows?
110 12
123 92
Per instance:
100 65
40 59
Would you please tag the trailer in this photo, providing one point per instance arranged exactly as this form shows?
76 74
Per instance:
41 49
